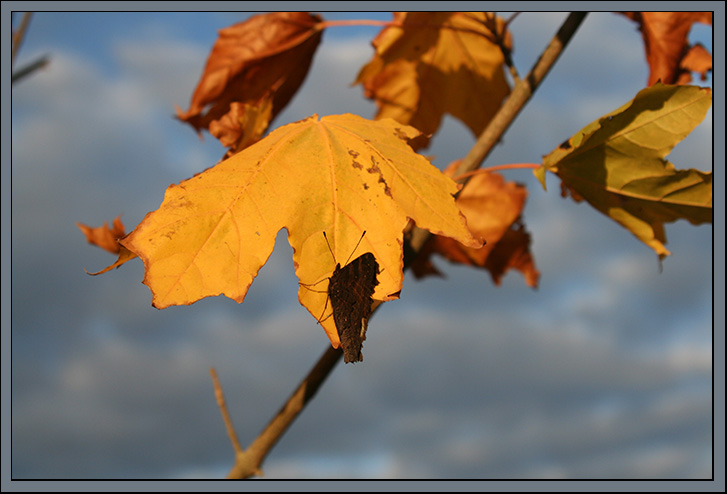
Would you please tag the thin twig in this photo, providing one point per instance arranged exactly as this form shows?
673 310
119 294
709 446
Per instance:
219 395
357 22
500 40
18 37
248 463
408 24
28 69
512 18
19 34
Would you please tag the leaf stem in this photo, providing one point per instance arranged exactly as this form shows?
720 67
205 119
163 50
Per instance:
357 22
509 166
395 23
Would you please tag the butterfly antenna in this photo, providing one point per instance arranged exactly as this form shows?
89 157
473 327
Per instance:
329 247
354 249
352 252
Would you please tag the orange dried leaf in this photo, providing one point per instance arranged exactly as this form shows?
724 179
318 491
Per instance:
437 63
493 208
512 251
340 174
666 41
104 236
108 239
245 124
256 63
698 60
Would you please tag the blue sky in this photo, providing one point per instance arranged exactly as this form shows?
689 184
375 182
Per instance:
604 372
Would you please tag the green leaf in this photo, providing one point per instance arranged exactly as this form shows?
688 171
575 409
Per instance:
617 163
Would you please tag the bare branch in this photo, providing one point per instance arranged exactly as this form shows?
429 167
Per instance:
28 69
500 41
19 34
219 395
248 462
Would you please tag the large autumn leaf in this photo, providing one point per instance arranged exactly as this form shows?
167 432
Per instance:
617 163
253 71
435 63
493 208
341 174
671 58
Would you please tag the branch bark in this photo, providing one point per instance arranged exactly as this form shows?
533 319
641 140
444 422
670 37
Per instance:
18 36
248 462
28 69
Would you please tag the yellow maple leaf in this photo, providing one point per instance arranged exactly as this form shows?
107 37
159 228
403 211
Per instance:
341 174
437 63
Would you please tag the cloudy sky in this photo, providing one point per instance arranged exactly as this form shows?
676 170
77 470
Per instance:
604 372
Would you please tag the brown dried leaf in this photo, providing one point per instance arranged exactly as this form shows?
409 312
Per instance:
103 236
665 38
244 125
254 63
513 251
107 238
699 60
492 208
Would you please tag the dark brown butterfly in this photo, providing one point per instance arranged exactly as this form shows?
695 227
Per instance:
350 289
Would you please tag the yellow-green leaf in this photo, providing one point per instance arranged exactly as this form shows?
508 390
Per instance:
617 163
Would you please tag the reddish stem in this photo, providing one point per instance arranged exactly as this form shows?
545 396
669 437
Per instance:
509 166
357 22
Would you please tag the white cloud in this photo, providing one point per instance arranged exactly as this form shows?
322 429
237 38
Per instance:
167 70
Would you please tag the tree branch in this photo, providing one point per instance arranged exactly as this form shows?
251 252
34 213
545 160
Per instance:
19 34
247 463
28 69
220 396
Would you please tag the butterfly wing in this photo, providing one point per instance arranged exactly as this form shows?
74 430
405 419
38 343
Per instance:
350 290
